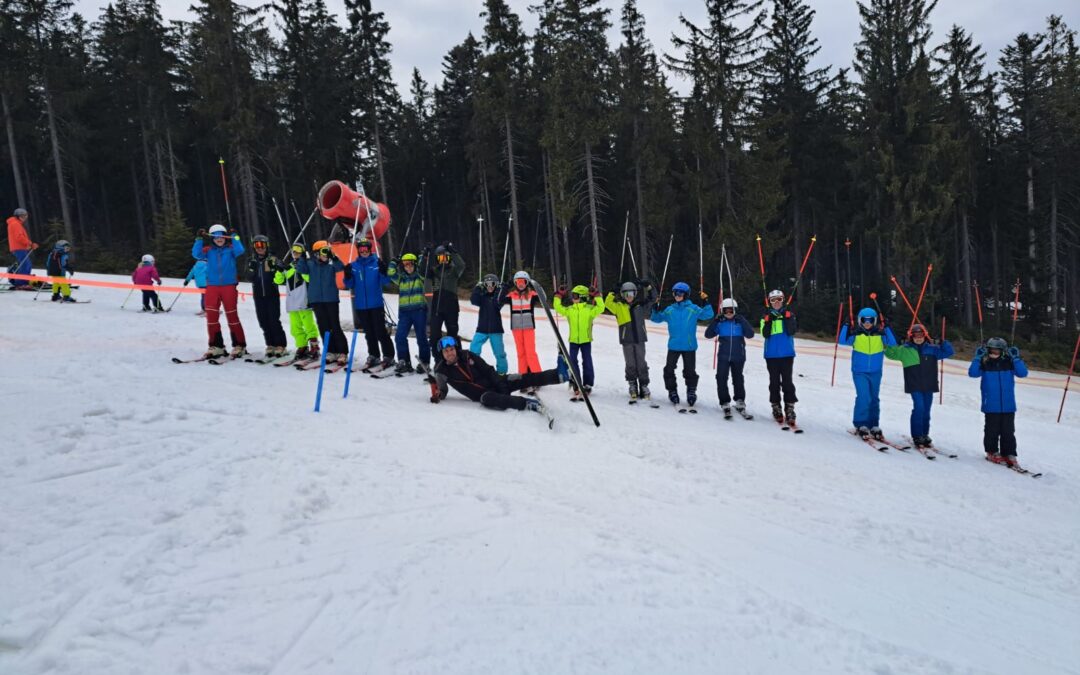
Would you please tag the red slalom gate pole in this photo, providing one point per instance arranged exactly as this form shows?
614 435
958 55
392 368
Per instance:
1072 364
806 259
978 306
904 297
836 342
922 294
941 378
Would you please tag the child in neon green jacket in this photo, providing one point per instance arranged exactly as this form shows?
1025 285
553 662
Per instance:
581 313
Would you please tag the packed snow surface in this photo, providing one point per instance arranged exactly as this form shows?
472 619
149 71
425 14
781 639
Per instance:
162 518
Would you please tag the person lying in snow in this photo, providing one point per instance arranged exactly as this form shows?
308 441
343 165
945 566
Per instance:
473 378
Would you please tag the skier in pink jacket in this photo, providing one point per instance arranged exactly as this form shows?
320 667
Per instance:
145 275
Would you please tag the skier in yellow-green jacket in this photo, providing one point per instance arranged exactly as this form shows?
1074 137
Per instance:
301 319
584 307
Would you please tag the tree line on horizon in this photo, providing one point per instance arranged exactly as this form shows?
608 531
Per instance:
556 143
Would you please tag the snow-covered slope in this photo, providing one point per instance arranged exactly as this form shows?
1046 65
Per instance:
162 518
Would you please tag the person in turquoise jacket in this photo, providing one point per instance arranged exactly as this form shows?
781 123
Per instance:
868 341
197 273
681 317
998 365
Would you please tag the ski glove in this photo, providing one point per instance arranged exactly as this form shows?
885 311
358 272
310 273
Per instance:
382 267
704 296
1014 352
980 352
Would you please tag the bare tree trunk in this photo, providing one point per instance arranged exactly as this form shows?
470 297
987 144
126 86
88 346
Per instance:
79 211
796 228
20 194
965 265
172 166
151 195
65 210
597 270
512 171
643 229
1054 295
549 208
1031 218
249 217
382 182
140 225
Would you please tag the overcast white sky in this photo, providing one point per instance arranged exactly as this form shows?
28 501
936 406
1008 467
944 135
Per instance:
422 31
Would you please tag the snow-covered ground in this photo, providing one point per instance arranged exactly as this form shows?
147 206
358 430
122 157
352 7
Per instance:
162 518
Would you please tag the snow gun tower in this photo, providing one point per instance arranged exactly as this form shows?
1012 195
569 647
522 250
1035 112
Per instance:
357 215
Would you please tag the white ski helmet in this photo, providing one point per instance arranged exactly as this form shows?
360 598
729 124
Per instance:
148 259
776 294
217 231
729 302
524 276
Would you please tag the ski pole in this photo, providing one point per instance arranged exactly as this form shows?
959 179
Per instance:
322 371
720 300
941 378
1072 364
506 252
922 294
480 245
907 303
630 248
127 298
356 223
282 223
667 260
761 265
836 342
563 353
348 371
978 306
305 227
806 258
225 191
408 228
625 233
1016 308
173 302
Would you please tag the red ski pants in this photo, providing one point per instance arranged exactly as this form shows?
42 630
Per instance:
216 296
525 341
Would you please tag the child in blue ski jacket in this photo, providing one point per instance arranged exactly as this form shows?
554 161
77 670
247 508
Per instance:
489 295
197 273
681 317
920 357
868 341
731 331
998 365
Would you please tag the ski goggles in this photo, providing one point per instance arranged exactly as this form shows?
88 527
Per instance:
447 341
298 249
259 246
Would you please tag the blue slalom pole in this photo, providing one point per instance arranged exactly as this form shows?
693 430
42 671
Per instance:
348 371
322 371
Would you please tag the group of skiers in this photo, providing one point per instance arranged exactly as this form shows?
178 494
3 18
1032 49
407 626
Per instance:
310 281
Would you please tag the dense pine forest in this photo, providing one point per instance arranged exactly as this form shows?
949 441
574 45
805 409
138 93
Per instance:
562 148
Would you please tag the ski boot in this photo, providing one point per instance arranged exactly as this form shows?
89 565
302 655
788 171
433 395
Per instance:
673 396
214 353
777 413
588 388
643 392
927 442
386 362
863 432
691 397
342 359
575 395
995 458
55 297
403 366
146 308
301 353
534 405
789 413
726 409
740 407
633 391
1010 461
238 351
369 363
67 298
876 434
158 307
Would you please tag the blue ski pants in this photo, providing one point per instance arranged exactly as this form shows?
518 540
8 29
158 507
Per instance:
412 319
22 266
585 373
867 404
921 402
496 339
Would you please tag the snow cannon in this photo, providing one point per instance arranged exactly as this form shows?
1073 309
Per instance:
338 202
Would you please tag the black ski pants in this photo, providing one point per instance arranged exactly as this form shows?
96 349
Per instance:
736 369
436 320
268 311
780 380
373 323
999 434
689 373
326 315
502 399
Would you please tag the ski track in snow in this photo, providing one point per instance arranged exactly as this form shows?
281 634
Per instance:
189 519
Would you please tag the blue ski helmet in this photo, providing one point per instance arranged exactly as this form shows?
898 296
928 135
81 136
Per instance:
681 287
867 313
447 341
